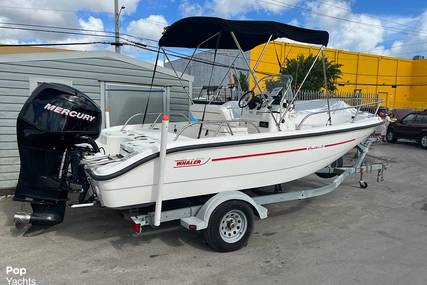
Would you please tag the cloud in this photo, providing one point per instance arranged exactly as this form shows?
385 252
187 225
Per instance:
187 8
93 24
348 33
98 6
412 43
151 27
392 35
62 13
226 8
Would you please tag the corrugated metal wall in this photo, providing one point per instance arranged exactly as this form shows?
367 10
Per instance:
86 75
399 82
202 71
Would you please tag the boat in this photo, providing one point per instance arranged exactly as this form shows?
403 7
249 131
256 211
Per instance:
271 138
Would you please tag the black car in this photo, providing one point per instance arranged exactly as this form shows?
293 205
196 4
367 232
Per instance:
412 126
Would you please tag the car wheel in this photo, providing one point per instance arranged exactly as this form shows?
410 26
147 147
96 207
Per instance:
230 226
390 136
423 141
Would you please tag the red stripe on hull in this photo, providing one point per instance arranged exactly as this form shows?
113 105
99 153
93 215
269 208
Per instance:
277 152
259 154
334 144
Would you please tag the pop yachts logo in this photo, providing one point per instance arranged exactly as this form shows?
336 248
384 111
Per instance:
190 162
69 113
18 276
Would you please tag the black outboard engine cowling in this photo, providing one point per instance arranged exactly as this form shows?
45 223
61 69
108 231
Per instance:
51 122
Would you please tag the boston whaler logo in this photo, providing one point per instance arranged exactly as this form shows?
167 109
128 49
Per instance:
69 113
315 147
190 162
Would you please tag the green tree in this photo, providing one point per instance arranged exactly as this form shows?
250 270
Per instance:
298 68
242 80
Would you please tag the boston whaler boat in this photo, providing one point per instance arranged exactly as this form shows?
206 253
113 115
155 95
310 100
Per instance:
271 139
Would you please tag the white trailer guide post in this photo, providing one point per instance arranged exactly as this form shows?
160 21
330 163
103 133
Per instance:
161 173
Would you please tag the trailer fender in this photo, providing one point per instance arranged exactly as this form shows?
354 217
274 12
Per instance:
201 220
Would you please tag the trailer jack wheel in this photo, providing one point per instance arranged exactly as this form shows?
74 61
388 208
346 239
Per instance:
363 184
230 226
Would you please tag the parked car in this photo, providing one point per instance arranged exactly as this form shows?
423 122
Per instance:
400 113
412 126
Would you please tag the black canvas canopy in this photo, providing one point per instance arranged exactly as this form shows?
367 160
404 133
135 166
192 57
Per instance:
192 31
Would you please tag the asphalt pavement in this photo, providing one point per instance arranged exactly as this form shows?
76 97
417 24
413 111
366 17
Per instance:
375 236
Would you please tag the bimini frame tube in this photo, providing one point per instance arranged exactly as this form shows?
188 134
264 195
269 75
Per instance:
224 77
326 87
161 170
252 71
302 83
194 52
262 53
187 91
186 66
246 61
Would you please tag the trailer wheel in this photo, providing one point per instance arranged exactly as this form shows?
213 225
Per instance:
363 184
230 226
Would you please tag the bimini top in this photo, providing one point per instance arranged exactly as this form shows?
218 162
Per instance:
193 32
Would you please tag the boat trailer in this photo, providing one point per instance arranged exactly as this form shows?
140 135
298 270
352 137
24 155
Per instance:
198 217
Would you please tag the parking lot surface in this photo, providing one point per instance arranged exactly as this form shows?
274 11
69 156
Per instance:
376 236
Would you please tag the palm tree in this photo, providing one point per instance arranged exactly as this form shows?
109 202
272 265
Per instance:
242 80
298 68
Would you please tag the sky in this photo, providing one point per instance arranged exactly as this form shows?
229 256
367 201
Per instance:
386 27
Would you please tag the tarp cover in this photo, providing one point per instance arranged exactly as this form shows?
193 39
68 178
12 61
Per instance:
192 31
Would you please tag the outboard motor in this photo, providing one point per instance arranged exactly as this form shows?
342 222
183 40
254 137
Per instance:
52 121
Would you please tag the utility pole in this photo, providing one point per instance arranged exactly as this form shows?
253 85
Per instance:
116 26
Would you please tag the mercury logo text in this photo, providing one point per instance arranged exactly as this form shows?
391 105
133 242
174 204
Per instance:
69 113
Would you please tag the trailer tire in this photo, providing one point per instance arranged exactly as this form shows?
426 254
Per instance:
230 226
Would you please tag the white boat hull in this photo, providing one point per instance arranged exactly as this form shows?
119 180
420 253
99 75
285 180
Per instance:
210 168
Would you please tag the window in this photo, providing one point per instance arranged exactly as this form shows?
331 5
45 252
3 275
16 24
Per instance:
421 119
409 119
36 81
125 100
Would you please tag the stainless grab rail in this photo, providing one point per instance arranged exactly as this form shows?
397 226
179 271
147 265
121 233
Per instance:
340 109
155 121
174 114
220 123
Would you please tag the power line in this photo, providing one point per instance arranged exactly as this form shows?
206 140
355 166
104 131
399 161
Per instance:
55 32
71 29
75 31
139 38
281 4
351 11
130 43
57 44
49 9
154 49
273 2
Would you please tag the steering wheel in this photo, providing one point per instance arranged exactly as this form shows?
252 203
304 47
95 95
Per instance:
246 99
